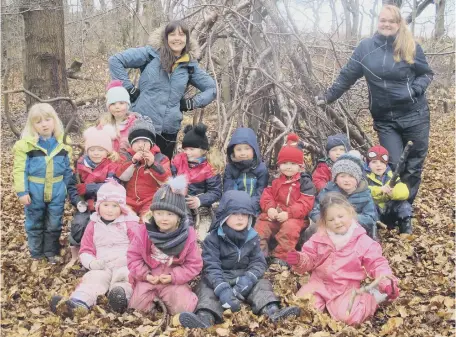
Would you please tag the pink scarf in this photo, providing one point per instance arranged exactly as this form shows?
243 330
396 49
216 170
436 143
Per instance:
340 240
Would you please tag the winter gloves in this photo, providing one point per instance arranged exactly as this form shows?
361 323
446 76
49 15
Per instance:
187 104
97 265
134 94
227 298
244 285
293 258
389 287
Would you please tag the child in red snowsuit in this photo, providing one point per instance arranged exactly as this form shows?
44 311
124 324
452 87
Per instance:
338 256
164 255
284 206
143 167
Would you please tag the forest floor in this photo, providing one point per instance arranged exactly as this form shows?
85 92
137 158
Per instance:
424 263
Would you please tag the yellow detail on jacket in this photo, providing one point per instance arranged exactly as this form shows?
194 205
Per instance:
400 190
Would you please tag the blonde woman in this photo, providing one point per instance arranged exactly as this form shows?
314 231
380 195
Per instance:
397 76
41 173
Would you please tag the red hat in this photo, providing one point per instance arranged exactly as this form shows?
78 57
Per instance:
378 152
292 138
290 154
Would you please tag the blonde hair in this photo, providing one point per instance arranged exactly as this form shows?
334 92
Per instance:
108 119
37 112
215 158
404 44
334 199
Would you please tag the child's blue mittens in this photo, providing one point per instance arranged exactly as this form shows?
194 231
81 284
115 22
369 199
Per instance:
244 285
226 296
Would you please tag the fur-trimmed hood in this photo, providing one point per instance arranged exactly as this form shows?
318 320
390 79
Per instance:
156 42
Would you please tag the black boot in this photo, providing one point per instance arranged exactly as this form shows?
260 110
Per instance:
118 299
202 319
275 314
54 302
405 225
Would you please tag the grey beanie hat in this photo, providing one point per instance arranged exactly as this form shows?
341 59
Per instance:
142 128
336 140
350 164
171 197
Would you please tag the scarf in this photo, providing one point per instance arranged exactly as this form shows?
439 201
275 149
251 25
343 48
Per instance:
340 240
196 162
238 237
89 163
170 244
245 165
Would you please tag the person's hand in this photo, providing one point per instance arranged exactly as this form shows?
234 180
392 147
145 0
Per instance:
81 206
149 158
134 94
97 264
138 156
165 278
187 104
192 202
320 100
152 279
272 214
282 216
226 296
244 285
389 287
81 188
293 258
386 189
25 200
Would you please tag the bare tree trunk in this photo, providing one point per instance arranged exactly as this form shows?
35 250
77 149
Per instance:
334 15
44 57
153 17
87 7
439 18
316 14
412 26
348 21
374 16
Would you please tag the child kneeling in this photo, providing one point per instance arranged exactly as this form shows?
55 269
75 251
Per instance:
164 256
233 268
103 251
338 256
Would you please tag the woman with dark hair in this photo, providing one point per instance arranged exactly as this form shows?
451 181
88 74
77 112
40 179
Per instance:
168 64
397 76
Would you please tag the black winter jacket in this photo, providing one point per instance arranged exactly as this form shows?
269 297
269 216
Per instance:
392 85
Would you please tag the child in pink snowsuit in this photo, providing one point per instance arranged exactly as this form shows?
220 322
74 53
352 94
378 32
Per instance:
164 256
338 256
103 251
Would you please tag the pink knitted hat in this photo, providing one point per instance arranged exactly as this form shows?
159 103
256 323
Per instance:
99 137
112 191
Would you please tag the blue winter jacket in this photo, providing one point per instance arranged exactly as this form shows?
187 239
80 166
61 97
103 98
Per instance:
361 200
393 86
253 180
161 92
223 260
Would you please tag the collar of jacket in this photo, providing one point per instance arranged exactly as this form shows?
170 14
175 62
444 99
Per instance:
252 233
373 177
121 218
382 39
322 237
293 179
34 142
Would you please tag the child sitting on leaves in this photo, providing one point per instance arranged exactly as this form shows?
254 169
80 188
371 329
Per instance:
284 206
336 145
338 257
164 256
92 170
200 167
233 268
104 253
245 171
392 204
143 167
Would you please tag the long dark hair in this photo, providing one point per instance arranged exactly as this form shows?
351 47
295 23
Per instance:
167 58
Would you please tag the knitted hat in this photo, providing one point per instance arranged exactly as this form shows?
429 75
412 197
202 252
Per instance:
292 154
142 128
115 92
112 191
99 137
378 152
336 140
347 163
195 136
171 196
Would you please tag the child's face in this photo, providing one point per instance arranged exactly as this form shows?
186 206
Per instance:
97 154
166 221
377 166
338 219
238 221
141 145
289 169
242 152
45 126
346 182
336 152
194 153
119 110
109 210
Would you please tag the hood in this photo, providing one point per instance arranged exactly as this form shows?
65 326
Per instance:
244 136
233 202
156 42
